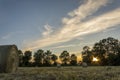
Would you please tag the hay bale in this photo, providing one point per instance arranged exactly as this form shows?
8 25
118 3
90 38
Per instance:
58 65
84 64
8 58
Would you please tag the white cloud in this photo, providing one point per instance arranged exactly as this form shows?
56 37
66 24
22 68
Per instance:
48 30
73 27
84 10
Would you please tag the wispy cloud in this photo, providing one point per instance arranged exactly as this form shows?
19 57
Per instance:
64 46
7 36
72 45
88 8
48 30
74 27
110 29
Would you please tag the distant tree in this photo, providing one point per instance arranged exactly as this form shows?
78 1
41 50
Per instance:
39 57
64 57
47 58
73 59
54 58
20 57
87 55
26 58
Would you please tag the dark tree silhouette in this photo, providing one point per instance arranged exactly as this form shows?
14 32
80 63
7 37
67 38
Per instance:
54 58
39 57
26 58
20 58
47 58
99 51
87 55
64 57
108 51
73 59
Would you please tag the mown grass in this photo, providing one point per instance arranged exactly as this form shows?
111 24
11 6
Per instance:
64 73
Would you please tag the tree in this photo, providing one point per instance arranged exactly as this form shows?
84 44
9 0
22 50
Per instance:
112 59
20 57
99 51
87 55
26 58
47 58
108 51
39 57
64 57
73 59
54 58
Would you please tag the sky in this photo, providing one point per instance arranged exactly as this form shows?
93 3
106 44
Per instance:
58 25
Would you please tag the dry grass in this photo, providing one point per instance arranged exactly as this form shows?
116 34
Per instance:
64 73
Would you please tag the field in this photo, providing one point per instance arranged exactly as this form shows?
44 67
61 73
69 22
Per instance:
64 73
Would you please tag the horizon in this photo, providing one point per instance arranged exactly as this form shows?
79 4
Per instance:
58 25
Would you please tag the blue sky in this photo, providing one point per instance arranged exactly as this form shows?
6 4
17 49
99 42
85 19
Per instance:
58 24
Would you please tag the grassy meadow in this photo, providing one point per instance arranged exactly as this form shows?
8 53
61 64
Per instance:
64 73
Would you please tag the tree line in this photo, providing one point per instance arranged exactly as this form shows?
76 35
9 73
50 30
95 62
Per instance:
41 58
107 51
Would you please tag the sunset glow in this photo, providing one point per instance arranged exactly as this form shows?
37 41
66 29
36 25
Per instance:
95 59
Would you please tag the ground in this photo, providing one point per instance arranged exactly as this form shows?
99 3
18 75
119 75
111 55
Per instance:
64 73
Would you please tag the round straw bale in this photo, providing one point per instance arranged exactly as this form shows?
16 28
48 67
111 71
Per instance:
8 58
58 65
84 64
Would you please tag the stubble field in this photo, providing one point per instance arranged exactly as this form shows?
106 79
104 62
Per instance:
63 73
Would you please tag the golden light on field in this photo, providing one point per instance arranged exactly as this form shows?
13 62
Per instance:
95 59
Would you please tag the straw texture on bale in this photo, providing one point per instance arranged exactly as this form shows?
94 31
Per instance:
8 58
